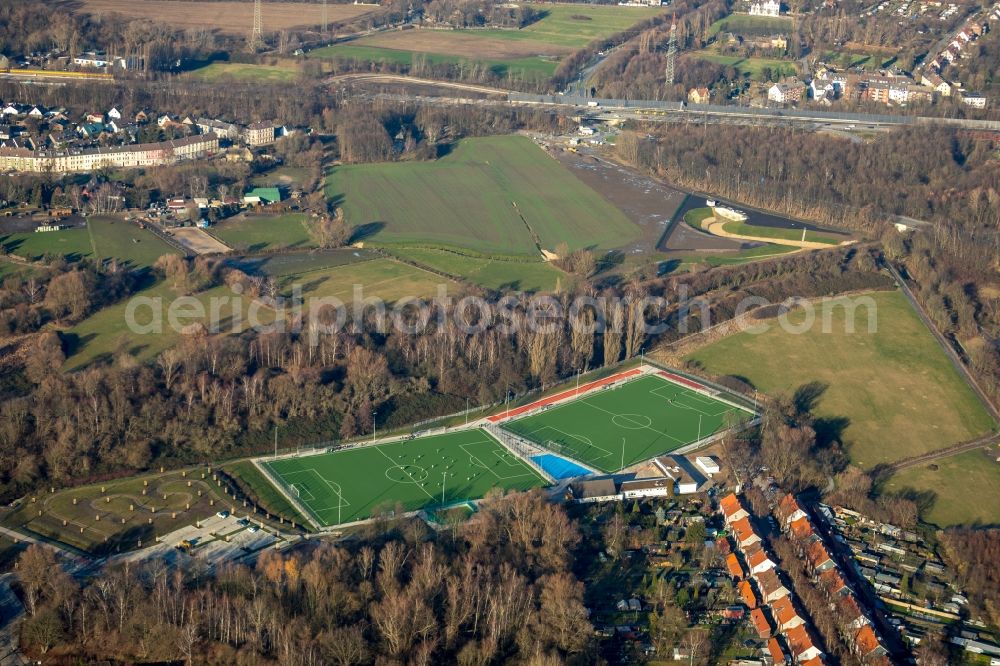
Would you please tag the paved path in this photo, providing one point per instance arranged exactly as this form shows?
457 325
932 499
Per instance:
981 443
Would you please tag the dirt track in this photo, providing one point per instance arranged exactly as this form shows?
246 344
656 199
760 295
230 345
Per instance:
228 17
197 241
717 228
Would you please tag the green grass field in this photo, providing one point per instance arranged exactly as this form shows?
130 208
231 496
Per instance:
780 234
745 256
104 238
262 491
959 488
218 71
535 67
490 273
258 233
355 484
644 418
483 195
893 391
696 216
754 25
106 332
561 26
752 67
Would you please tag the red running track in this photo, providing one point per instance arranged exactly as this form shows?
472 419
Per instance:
523 409
683 381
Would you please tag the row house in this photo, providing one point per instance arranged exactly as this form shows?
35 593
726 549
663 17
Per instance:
141 155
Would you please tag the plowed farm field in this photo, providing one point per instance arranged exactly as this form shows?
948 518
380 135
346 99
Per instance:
228 17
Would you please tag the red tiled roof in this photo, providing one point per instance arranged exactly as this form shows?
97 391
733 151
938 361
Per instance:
733 564
832 581
799 640
756 557
749 596
817 554
743 530
787 506
783 610
866 640
760 623
815 661
730 504
777 656
801 528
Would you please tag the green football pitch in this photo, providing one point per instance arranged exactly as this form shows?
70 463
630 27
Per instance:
617 427
344 486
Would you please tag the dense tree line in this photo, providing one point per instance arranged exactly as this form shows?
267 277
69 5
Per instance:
498 589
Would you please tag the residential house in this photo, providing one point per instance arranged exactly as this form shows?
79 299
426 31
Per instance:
774 649
818 557
765 8
94 118
771 587
833 583
91 130
114 114
788 91
734 567
974 99
936 83
757 560
802 530
15 109
225 130
788 510
91 59
259 134
747 594
760 623
801 644
699 95
785 615
732 509
867 645
37 112
743 533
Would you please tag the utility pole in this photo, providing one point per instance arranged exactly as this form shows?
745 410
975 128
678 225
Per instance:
326 18
275 442
373 426
444 477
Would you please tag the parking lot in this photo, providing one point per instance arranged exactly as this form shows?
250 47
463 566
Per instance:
212 541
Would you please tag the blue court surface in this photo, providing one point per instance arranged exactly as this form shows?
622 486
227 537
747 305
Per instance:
559 468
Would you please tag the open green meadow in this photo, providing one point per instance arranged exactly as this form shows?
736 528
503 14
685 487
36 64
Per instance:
220 71
256 233
617 427
780 234
104 238
741 24
106 333
531 67
891 394
386 279
355 484
561 29
490 273
957 486
484 195
751 67
561 24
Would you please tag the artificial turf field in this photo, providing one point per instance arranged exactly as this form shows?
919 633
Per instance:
643 418
345 486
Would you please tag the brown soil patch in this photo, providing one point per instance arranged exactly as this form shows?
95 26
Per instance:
462 44
228 17
198 241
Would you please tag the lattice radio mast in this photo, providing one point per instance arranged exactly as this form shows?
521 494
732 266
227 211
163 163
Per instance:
671 51
257 36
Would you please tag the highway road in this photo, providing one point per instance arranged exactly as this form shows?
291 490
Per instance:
660 111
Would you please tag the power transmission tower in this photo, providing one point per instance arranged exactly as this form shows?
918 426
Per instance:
257 36
326 18
671 51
